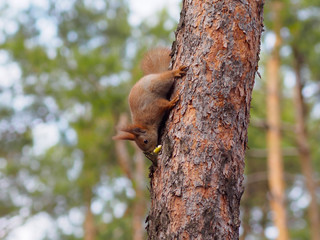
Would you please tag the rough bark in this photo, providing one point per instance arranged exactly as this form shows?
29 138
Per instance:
198 183
275 162
304 150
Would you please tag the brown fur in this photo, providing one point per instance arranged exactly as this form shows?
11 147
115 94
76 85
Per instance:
156 61
147 99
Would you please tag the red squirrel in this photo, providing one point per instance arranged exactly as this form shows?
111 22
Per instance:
147 99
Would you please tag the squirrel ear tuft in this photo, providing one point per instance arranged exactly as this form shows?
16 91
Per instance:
124 136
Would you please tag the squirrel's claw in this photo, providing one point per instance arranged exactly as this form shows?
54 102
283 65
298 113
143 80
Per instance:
183 68
173 101
181 71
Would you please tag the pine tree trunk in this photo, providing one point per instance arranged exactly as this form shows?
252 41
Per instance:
136 173
275 162
304 151
139 208
197 184
90 230
245 219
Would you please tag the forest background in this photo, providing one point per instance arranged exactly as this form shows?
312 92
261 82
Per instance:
66 68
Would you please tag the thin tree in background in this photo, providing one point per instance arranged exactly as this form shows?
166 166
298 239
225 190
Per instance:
275 162
197 184
89 227
136 173
304 148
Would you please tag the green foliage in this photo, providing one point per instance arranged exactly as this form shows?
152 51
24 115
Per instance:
300 39
75 79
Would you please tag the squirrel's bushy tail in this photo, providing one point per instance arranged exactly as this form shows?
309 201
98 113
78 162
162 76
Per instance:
155 61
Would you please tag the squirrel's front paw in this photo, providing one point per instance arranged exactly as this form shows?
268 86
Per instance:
174 101
182 70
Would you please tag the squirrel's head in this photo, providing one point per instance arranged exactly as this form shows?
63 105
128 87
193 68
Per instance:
145 139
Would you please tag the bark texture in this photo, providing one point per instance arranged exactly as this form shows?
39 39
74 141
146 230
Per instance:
304 149
275 161
198 183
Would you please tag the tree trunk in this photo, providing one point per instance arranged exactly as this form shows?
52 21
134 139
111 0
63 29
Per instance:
122 151
139 208
246 228
197 184
275 162
304 151
136 174
90 230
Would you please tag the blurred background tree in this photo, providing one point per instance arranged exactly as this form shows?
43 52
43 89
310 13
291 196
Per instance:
73 64
294 26
66 70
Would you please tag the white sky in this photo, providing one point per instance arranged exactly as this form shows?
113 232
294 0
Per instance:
145 9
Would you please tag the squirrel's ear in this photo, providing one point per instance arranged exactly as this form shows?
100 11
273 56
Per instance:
134 129
124 136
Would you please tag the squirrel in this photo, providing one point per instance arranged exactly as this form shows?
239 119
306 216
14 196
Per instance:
147 99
